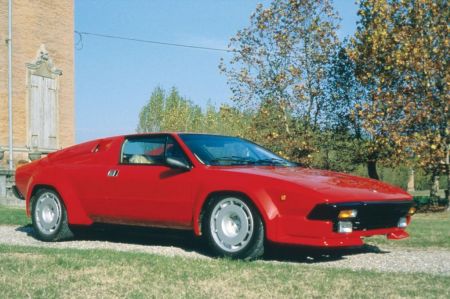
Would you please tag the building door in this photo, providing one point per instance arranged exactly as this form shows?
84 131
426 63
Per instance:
43 113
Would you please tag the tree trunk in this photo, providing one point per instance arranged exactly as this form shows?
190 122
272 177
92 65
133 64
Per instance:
327 158
447 169
372 169
410 187
434 190
286 121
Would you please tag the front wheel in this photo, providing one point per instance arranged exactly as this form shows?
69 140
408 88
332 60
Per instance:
49 216
233 228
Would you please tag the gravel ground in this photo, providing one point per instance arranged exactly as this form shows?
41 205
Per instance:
433 261
23 236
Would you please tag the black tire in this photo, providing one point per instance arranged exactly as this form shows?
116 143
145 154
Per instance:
49 216
226 214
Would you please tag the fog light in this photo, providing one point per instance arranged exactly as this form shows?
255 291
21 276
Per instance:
411 211
402 222
345 214
345 227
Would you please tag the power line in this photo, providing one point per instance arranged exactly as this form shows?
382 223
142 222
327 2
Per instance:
81 33
79 43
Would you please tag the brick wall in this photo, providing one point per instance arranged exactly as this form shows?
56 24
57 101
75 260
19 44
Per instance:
37 22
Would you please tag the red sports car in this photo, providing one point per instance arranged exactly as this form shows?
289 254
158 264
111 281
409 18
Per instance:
230 190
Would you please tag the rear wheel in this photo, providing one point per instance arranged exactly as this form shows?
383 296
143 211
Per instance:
233 228
49 216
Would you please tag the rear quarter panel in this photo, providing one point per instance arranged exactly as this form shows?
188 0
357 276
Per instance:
60 171
56 177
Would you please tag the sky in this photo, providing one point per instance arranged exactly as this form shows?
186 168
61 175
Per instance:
114 78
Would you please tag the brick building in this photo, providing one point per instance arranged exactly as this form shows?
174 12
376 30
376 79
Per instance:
43 75
42 78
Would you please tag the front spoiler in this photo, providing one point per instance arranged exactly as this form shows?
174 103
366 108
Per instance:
397 235
352 239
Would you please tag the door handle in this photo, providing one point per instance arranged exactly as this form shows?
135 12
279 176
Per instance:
113 172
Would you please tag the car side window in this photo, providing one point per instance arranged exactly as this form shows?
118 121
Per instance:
173 150
144 150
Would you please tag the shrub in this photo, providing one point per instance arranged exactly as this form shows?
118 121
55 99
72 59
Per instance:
422 202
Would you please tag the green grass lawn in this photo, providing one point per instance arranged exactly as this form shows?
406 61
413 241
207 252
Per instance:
426 230
13 216
52 273
441 193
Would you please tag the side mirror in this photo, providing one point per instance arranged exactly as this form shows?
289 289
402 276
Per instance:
178 164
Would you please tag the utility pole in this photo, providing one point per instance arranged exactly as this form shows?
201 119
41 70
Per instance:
10 120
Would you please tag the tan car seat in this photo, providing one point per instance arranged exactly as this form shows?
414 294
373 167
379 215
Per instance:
139 159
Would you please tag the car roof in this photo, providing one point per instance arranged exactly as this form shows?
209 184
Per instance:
173 133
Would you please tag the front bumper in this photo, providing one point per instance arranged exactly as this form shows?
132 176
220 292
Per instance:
319 228
370 215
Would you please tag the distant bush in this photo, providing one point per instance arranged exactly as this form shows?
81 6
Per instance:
398 176
421 202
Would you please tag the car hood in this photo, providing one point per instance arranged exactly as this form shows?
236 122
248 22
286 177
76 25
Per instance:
333 186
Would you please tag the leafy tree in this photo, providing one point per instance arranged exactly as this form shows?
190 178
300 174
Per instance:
278 71
426 65
173 112
371 47
342 140
170 112
344 92
401 53
151 116
234 121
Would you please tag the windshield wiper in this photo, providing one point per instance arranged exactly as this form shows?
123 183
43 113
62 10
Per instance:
271 161
233 160
236 160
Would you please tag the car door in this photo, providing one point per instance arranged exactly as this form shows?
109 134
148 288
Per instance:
144 190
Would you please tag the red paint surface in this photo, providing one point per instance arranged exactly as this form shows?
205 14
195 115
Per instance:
162 196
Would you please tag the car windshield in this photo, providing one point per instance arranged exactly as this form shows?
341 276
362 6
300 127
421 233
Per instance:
228 151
